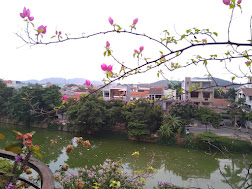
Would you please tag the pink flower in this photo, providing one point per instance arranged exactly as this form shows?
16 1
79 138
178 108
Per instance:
23 14
204 41
109 68
104 67
247 63
123 92
136 51
88 83
141 48
26 13
64 97
107 44
135 21
226 2
56 32
42 29
239 2
59 32
111 21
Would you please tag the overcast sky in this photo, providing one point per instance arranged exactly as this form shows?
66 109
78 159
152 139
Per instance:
82 58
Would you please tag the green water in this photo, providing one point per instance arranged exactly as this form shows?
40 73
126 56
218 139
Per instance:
180 166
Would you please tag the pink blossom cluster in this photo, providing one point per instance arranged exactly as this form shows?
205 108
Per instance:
108 68
42 29
27 139
228 2
140 50
64 97
26 13
58 33
88 83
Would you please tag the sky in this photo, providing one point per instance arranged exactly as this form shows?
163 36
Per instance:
82 58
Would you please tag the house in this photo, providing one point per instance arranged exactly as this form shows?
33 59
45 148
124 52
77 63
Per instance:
198 91
116 92
139 92
246 94
15 84
220 105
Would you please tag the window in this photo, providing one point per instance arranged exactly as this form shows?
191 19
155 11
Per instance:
205 103
194 94
206 95
250 97
106 94
140 90
197 84
206 84
157 96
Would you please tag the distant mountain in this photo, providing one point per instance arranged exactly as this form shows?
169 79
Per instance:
164 83
60 81
220 82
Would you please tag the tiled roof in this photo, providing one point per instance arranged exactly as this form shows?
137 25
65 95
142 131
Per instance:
247 91
139 94
221 102
156 91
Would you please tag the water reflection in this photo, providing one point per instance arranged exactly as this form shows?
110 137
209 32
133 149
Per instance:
182 167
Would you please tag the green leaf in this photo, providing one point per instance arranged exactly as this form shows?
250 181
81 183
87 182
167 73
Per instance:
161 52
33 132
38 154
183 36
53 36
109 52
10 174
2 136
32 24
158 74
15 148
17 132
191 88
105 53
216 34
233 78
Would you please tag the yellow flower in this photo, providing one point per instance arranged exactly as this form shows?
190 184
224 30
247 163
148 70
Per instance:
28 171
64 167
135 153
79 140
86 144
53 142
57 177
80 184
69 148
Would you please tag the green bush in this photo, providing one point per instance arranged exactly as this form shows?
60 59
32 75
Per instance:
202 140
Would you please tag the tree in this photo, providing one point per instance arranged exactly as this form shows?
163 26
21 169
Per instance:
185 110
206 115
25 105
5 93
89 114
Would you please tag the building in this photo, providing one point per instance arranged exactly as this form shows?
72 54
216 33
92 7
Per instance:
246 94
15 84
116 92
198 91
138 92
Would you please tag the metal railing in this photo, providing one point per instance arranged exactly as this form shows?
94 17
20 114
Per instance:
46 175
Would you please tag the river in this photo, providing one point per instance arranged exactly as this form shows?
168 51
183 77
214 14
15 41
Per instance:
179 166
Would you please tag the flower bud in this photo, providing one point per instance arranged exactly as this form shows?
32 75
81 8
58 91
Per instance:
226 2
111 21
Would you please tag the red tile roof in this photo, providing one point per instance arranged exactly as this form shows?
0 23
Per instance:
140 94
221 102
247 91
